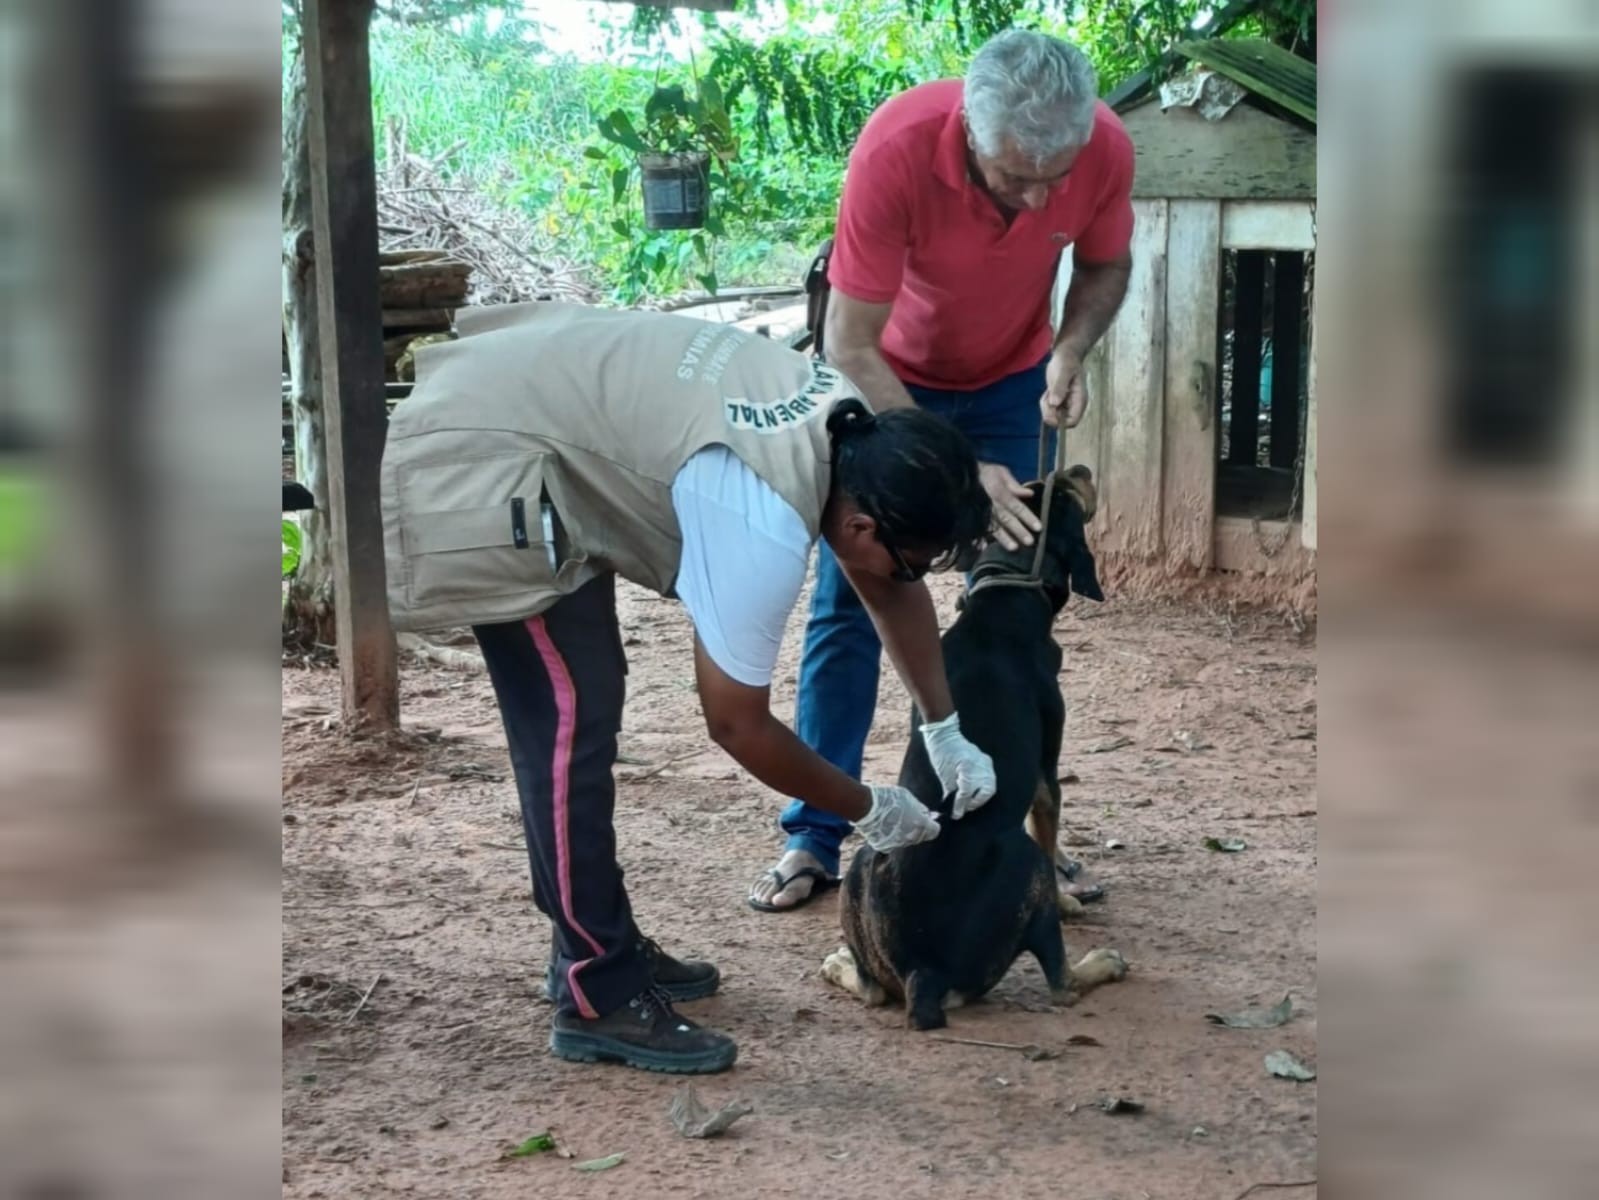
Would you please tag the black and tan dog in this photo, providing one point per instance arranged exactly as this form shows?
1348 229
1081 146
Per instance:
938 924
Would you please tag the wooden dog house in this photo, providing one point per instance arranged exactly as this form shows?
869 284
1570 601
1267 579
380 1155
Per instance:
1201 423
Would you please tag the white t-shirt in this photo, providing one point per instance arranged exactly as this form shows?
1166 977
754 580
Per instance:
745 551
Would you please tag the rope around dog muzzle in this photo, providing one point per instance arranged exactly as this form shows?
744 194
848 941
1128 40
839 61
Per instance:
1035 576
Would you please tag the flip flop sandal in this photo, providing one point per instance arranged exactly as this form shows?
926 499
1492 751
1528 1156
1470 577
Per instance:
821 882
1069 870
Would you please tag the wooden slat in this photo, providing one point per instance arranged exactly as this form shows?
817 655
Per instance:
1247 155
1240 548
421 319
1248 306
344 204
1083 442
1287 305
1193 298
1267 225
1086 443
1133 401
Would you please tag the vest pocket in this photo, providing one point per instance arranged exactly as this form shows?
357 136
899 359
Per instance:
476 529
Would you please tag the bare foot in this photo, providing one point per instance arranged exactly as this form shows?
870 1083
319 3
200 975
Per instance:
766 889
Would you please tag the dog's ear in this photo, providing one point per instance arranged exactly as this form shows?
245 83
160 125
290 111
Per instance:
1085 579
1079 482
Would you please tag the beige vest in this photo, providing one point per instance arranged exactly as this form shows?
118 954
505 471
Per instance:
595 411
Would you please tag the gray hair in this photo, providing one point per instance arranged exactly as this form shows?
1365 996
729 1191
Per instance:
1033 90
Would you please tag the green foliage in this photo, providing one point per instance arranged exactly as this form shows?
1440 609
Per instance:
779 108
293 546
676 123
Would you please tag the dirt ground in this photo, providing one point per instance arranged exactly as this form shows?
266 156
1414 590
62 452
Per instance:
402 861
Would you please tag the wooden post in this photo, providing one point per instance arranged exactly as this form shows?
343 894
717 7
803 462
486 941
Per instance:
344 208
1193 306
1133 419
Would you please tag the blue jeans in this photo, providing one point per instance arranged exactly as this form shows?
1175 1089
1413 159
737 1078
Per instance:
842 655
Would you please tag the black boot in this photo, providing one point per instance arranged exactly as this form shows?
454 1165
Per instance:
681 981
644 1033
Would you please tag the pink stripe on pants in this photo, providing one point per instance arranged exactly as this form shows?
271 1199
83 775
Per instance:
561 772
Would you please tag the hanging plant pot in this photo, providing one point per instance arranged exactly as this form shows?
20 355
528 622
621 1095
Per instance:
675 190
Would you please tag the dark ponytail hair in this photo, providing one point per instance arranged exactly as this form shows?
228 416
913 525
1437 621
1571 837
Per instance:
914 474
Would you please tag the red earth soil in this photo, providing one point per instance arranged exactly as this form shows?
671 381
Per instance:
403 859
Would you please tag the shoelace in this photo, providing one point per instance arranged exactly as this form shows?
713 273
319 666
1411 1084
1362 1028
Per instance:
652 1001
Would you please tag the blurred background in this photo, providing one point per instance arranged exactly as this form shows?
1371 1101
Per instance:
1459 515
1459 203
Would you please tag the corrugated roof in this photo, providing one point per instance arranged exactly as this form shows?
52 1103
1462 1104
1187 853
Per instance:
1263 68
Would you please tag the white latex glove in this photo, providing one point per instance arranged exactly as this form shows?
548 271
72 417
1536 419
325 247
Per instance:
897 818
961 767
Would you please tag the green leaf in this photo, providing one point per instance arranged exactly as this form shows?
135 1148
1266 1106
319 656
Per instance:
714 226
293 546
711 96
708 281
618 128
619 179
1226 845
699 245
539 1143
595 152
1256 1018
620 226
600 1164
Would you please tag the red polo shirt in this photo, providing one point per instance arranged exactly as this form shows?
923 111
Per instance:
970 296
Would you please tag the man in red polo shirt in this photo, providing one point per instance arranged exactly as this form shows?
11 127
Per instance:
960 198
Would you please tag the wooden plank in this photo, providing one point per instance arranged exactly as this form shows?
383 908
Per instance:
1267 225
1083 443
1308 502
421 319
1248 307
1193 301
344 206
1287 307
1276 550
1086 443
1133 400
1247 155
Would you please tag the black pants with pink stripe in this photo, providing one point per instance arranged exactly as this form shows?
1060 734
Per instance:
560 681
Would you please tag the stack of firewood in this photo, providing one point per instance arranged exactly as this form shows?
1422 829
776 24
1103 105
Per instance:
421 290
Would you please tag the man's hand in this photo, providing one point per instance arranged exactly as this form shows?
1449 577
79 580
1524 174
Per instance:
897 818
1014 522
1065 398
960 766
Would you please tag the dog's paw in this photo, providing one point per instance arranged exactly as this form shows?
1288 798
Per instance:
1099 966
838 967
